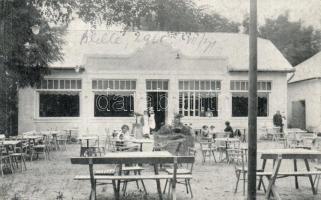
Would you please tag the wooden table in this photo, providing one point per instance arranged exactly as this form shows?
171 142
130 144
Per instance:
141 142
277 155
139 155
70 131
87 138
227 141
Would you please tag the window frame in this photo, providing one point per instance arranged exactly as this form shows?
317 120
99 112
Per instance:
267 91
199 86
38 91
104 91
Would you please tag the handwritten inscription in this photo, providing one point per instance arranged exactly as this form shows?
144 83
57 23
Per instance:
198 41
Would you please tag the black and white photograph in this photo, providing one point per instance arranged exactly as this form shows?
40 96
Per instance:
160 99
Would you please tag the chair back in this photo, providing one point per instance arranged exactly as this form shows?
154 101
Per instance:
237 157
308 142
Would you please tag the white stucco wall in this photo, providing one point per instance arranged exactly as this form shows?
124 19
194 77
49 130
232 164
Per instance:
310 92
152 63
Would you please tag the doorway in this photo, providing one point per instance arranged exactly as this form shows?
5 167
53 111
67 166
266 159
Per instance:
158 101
298 114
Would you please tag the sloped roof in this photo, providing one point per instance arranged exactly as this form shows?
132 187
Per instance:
231 46
309 69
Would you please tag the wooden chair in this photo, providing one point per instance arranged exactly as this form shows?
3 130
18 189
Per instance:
62 140
208 150
237 156
18 156
188 169
5 160
41 149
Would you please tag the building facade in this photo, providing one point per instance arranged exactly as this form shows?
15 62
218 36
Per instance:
304 95
107 77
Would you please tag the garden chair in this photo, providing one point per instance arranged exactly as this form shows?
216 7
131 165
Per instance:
237 157
208 150
188 169
307 143
62 140
5 160
18 156
41 149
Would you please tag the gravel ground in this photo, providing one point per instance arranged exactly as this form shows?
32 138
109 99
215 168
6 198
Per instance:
54 180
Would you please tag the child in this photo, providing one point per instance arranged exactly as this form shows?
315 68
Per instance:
212 131
205 131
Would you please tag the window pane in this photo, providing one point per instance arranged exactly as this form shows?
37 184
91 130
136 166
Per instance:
44 84
58 105
62 84
105 84
232 87
243 85
122 85
111 84
269 85
127 85
239 105
191 85
262 101
208 85
180 103
213 85
237 85
180 85
259 86
114 105
133 85
100 84
50 84
218 85
165 85
202 85
78 84
67 84
73 84
56 84
197 85
116 84
154 85
186 85
263 85
159 85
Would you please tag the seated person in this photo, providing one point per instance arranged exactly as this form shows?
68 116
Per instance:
228 129
212 131
205 131
123 139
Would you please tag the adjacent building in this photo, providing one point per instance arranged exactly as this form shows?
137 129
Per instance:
304 95
106 77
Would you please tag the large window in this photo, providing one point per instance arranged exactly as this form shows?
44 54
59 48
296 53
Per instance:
114 98
59 97
240 98
199 98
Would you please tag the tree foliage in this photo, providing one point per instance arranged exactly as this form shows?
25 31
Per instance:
295 41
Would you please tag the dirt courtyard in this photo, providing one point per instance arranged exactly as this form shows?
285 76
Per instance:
53 180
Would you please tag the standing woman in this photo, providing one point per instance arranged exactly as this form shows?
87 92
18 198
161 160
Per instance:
146 130
151 120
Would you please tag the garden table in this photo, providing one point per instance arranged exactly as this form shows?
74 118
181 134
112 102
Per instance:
87 138
277 155
141 142
141 155
227 140
69 131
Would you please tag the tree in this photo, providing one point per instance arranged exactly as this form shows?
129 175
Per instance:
295 41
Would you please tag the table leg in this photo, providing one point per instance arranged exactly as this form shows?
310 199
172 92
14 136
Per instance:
118 183
141 146
159 189
261 177
271 185
295 177
310 176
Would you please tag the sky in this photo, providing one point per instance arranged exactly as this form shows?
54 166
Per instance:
309 11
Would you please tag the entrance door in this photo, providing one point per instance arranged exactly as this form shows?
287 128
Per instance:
298 114
157 99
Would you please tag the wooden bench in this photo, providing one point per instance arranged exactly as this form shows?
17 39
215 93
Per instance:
116 179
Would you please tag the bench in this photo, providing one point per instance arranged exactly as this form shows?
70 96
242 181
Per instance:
117 178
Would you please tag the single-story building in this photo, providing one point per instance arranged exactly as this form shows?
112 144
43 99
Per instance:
107 76
304 95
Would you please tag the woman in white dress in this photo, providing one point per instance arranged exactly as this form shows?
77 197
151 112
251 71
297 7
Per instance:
146 130
151 120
